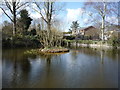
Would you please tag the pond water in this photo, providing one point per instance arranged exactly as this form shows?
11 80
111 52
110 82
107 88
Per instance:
79 68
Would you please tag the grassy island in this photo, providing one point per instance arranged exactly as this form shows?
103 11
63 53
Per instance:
47 50
54 50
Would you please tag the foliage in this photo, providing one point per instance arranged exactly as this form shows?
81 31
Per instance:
69 37
31 52
33 32
66 32
114 41
11 9
22 41
55 38
24 21
74 26
49 37
6 30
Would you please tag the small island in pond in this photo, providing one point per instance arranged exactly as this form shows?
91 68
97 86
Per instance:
55 50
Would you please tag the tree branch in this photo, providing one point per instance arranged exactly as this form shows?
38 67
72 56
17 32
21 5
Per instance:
8 6
41 15
22 5
6 14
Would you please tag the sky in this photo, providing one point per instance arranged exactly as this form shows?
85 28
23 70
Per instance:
72 11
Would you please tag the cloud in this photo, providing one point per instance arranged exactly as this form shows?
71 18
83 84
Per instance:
1 12
34 11
35 15
112 19
74 14
85 20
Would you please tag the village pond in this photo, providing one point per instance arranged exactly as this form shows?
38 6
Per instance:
79 68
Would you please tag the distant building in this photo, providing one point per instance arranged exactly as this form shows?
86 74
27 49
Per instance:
87 32
112 31
111 34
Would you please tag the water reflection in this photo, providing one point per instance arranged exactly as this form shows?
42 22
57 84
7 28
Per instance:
81 67
102 56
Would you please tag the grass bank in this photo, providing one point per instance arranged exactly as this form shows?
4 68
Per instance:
93 43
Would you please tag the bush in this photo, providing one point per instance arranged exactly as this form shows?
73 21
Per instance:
114 42
22 41
69 37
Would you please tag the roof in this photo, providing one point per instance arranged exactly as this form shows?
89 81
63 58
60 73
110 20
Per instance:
85 28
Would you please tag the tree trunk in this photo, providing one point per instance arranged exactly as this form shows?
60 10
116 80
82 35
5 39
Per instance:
103 27
49 33
14 28
14 18
103 20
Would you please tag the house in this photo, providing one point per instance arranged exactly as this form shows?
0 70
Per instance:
112 34
86 33
112 31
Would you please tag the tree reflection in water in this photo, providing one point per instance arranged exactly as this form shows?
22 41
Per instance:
20 66
102 56
89 67
21 70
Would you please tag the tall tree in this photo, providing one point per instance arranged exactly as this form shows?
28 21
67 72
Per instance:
101 9
13 6
46 15
24 21
74 26
47 10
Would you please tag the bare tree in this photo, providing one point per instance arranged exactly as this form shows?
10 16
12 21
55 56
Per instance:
56 38
47 10
103 9
13 7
